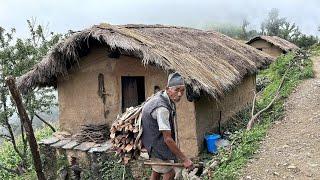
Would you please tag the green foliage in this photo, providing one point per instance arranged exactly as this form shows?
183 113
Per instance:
230 30
9 158
279 26
315 49
234 31
272 25
245 143
299 69
112 169
306 41
18 56
62 161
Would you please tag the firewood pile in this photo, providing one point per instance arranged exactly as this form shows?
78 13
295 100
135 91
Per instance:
125 134
93 133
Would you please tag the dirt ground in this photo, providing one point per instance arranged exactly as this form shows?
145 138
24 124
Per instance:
291 149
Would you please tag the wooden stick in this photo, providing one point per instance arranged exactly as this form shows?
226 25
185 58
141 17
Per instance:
253 102
150 163
10 81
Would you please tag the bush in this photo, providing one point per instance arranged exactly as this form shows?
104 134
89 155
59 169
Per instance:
10 159
112 169
315 49
306 41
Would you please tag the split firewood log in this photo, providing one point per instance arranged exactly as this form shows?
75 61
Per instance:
125 134
128 126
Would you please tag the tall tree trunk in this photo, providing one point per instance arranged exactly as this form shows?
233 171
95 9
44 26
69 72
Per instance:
10 81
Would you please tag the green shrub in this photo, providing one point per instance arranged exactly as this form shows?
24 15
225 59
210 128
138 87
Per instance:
315 49
10 159
112 169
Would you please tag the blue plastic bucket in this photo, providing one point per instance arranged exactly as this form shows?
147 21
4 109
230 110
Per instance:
211 140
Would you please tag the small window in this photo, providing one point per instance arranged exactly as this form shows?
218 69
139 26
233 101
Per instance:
259 49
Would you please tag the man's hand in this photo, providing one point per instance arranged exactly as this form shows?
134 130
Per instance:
188 164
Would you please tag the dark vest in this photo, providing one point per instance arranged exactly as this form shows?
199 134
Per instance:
152 138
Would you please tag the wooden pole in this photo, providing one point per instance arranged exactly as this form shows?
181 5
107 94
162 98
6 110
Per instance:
10 81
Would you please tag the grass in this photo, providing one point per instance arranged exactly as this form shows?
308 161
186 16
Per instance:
315 49
246 143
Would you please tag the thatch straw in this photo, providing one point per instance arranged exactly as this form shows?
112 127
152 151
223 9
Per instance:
207 60
283 44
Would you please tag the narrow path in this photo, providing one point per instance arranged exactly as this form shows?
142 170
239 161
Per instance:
291 149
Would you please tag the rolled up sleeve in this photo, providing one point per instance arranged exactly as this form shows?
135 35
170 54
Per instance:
162 115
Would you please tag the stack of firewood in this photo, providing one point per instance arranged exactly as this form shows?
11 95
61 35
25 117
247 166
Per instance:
125 134
93 133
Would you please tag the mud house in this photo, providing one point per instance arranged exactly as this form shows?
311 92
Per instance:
100 71
272 45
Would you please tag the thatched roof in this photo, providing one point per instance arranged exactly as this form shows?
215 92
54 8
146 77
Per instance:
276 41
208 60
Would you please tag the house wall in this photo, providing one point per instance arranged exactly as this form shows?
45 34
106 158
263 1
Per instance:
267 47
208 109
80 104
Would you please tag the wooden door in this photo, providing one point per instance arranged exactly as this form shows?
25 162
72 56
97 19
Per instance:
133 92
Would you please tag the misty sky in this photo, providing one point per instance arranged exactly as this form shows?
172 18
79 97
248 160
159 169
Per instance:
62 15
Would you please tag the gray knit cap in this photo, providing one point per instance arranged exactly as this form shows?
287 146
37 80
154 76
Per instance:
175 79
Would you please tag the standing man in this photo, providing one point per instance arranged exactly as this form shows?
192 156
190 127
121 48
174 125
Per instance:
159 128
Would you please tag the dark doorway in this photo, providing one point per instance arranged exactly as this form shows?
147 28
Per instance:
133 92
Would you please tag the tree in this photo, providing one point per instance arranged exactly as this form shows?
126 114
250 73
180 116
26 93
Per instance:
279 26
26 123
245 24
272 25
245 34
289 31
305 41
17 56
230 30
